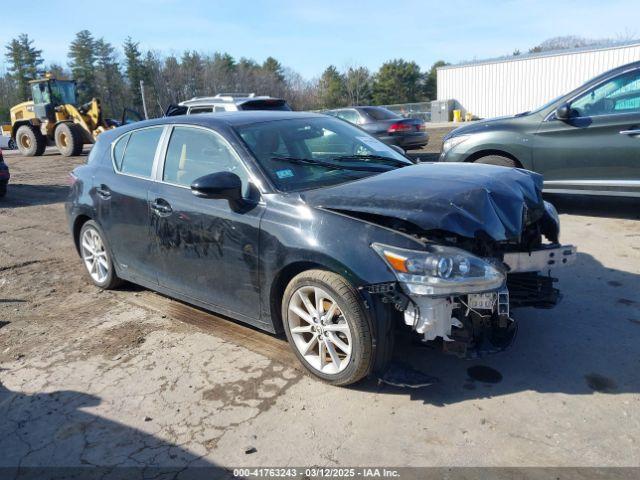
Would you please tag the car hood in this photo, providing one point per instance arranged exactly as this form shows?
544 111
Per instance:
465 199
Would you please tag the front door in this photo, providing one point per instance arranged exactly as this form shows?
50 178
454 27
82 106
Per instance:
597 147
122 203
208 251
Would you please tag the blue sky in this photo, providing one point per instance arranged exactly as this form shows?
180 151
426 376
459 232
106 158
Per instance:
309 35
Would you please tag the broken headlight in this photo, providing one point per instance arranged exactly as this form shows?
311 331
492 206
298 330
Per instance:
440 270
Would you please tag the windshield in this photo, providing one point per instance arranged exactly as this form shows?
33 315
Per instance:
300 154
63 93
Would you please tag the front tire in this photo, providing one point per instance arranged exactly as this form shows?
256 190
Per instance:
497 160
69 139
31 142
3 189
327 327
96 256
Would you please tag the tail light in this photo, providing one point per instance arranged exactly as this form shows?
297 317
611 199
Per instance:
400 128
71 179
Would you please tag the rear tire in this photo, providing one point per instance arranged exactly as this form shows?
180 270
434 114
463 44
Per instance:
30 141
69 139
96 256
337 338
497 160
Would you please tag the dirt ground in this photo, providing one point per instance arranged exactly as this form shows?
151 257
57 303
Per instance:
131 378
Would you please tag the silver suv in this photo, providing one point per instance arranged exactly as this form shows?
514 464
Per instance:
227 102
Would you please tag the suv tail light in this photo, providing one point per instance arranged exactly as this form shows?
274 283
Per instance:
400 127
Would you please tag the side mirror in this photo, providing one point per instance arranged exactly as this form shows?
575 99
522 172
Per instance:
398 149
563 112
222 185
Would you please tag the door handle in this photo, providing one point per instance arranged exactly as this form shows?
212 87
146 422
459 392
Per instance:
103 192
630 132
161 208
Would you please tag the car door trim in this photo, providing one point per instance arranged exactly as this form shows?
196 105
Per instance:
625 188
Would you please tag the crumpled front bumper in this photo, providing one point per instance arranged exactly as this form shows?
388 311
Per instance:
481 322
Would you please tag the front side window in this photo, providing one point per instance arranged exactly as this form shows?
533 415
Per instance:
195 152
63 92
616 96
299 154
139 152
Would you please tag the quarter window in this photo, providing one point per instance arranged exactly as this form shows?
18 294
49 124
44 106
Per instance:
139 152
194 152
616 96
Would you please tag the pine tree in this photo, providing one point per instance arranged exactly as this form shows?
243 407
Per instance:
82 56
24 60
397 81
273 66
109 80
332 88
134 70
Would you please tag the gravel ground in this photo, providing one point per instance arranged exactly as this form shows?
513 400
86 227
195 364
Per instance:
132 378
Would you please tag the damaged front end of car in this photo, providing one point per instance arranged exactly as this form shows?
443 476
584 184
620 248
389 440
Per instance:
464 301
490 244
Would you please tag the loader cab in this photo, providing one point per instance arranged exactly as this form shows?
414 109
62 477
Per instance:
51 93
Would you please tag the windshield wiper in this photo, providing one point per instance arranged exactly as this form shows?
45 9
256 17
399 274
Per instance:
393 161
331 165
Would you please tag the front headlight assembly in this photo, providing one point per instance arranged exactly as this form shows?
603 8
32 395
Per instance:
449 143
440 271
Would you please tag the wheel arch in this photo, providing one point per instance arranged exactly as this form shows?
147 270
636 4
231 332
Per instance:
487 152
17 125
78 222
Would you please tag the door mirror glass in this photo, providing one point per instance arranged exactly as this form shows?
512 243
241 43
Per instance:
563 112
223 185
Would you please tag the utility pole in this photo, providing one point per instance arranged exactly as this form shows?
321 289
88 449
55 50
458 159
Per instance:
144 102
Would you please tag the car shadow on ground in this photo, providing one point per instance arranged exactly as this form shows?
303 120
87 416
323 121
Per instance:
25 195
588 343
627 208
55 435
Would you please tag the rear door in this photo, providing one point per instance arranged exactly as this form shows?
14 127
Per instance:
599 146
122 199
208 251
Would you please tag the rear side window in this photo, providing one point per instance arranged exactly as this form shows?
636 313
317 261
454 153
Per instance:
350 116
380 113
269 104
196 110
139 152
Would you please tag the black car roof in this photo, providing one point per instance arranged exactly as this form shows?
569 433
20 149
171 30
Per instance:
226 118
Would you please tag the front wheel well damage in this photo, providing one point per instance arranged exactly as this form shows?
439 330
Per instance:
486 153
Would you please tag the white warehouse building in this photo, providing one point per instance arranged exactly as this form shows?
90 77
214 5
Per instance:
520 83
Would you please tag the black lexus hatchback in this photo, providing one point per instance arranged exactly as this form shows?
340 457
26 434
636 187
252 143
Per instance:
303 223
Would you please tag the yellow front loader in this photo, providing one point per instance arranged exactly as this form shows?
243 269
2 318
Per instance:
52 117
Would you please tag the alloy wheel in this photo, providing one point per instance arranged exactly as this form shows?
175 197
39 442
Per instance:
319 330
94 255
